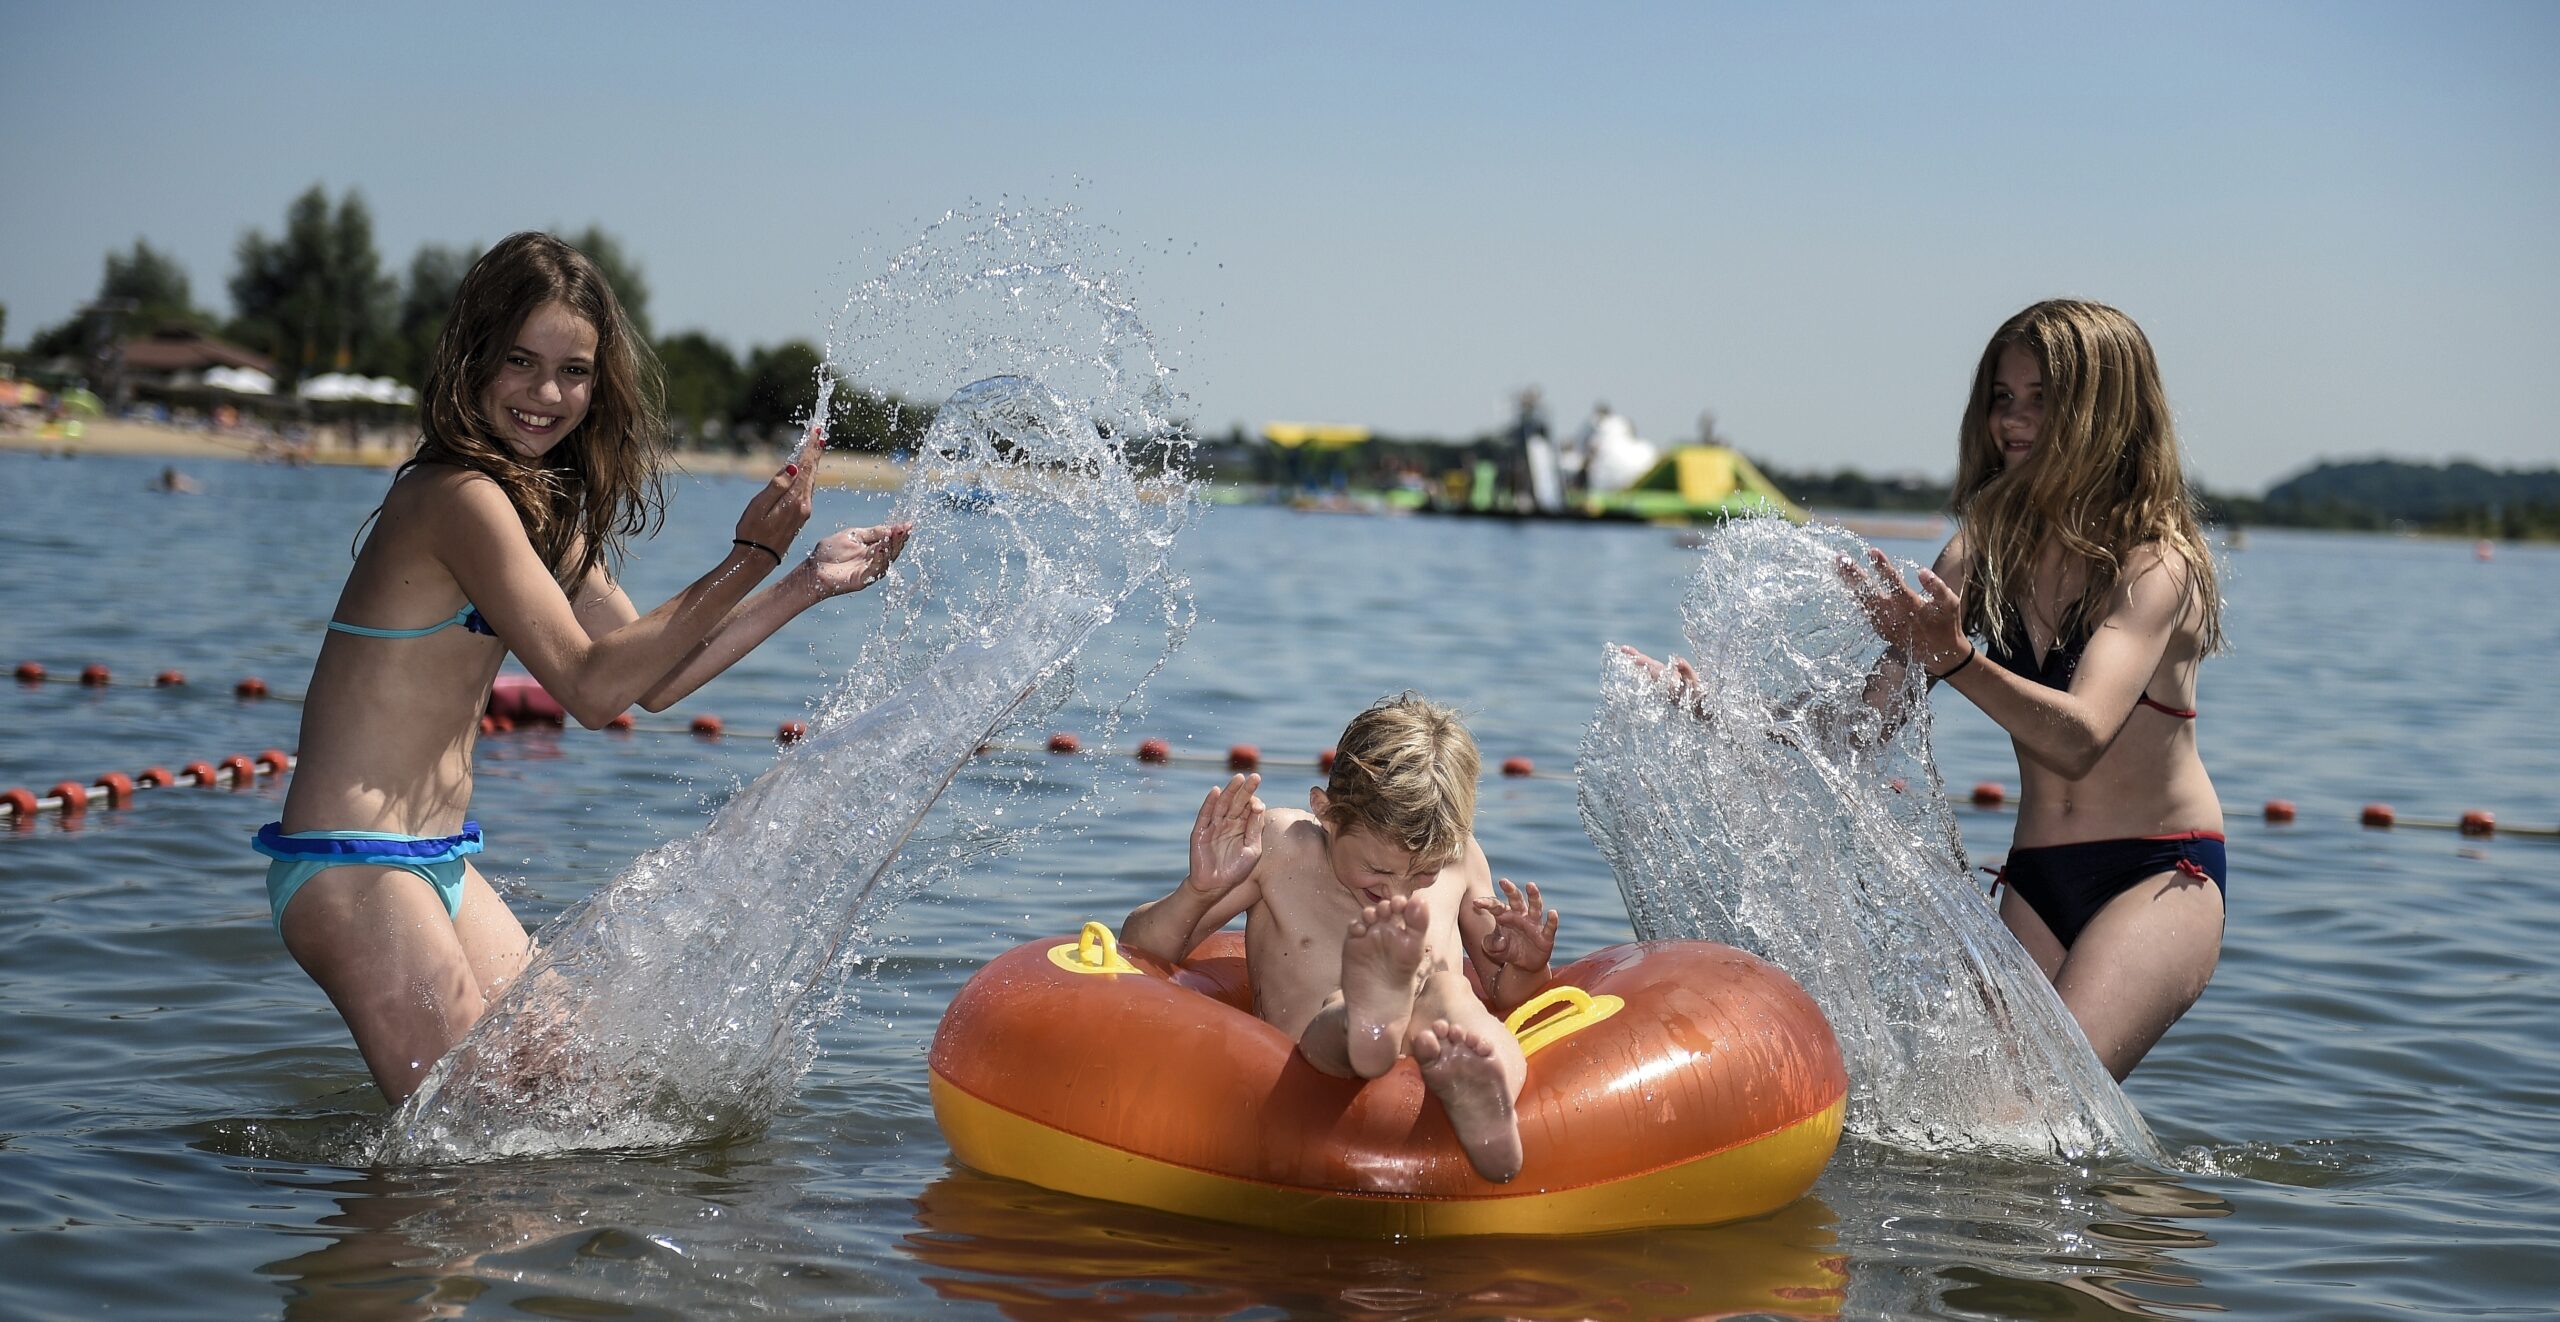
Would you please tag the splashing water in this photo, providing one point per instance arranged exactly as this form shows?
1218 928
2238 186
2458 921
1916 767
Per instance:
682 1000
1786 816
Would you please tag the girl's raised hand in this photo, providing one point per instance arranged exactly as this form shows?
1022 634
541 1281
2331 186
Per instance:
1926 622
856 558
1524 928
781 508
1226 838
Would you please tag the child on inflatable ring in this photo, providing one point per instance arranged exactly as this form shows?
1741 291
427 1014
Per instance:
1371 920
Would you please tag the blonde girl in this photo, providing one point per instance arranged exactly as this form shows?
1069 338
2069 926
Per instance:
2074 606
539 459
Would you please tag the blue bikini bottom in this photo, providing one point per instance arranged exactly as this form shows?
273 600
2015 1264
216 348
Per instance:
305 854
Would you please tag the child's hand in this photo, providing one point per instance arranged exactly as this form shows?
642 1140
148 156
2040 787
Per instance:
776 513
1927 624
1524 928
1678 678
856 558
1226 839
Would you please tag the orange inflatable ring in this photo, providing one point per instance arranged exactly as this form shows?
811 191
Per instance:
1670 1083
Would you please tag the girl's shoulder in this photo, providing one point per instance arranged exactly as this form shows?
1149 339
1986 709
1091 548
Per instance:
430 490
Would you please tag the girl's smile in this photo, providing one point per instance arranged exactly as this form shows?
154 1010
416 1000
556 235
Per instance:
545 382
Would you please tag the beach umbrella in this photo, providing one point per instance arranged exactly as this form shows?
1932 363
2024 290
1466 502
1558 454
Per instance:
78 400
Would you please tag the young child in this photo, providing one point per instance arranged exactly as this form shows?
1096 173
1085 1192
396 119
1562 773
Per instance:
539 456
1369 916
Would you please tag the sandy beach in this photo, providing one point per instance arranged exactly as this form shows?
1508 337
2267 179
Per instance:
866 472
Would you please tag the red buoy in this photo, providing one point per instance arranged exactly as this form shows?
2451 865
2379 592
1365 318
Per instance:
493 723
1519 766
1243 757
30 673
1324 760
707 726
119 788
1154 751
92 677
251 687
1063 742
74 796
2479 821
22 802
2279 810
621 721
2376 814
791 732
244 773
154 778
1989 795
273 762
168 679
200 773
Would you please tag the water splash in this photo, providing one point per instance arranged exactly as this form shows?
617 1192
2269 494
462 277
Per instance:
1786 816
682 1000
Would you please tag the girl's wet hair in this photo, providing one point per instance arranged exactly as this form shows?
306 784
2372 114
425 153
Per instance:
2104 477
600 485
1406 769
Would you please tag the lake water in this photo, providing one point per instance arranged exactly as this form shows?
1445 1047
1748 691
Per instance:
2359 1112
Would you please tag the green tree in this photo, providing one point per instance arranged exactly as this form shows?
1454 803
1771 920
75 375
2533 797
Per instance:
435 276
703 380
781 386
630 287
157 287
315 298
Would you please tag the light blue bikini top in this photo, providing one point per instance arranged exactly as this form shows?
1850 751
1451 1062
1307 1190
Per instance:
468 617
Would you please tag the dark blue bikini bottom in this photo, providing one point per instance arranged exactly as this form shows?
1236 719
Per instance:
2068 884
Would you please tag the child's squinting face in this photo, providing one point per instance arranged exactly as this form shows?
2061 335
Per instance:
2017 405
1374 868
545 382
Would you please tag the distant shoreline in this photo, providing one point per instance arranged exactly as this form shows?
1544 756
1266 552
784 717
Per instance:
864 472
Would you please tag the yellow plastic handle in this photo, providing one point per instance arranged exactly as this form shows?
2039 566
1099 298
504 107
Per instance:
1582 1011
1094 951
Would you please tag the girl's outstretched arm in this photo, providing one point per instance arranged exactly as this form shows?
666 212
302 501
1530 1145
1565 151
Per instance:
2064 730
848 561
483 545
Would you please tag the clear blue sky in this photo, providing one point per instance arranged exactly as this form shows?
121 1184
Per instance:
2340 223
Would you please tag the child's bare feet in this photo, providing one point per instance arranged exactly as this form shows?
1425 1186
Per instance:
1380 955
1459 1068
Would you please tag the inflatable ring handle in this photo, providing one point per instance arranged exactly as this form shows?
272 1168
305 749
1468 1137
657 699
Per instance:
1582 1011
1095 950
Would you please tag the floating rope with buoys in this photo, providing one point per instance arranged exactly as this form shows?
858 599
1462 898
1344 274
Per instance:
518 702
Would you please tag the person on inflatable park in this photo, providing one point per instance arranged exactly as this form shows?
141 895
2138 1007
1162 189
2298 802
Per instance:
1371 922
539 456
2074 606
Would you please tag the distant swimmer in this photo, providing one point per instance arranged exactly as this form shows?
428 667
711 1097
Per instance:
1371 919
540 455
171 479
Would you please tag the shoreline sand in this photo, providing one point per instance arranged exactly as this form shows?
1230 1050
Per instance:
865 472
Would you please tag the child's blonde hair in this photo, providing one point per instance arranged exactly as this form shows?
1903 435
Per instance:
2106 477
1406 769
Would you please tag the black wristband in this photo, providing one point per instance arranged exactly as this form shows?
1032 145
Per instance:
1970 652
741 541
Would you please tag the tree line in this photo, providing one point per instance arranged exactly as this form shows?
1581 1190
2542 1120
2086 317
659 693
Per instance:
316 297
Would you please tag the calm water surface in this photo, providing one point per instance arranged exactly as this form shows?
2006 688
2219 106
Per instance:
2360 1109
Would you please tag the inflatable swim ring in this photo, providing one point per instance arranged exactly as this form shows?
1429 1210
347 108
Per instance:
1670 1083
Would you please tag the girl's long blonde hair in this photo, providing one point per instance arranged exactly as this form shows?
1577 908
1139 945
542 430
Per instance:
2105 476
600 484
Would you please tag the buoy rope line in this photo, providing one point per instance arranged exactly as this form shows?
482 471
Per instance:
71 798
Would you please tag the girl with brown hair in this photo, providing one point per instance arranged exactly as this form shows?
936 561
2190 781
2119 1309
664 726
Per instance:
539 458
2074 606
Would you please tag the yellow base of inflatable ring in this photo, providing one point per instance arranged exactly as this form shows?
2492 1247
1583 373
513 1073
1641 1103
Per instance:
1669 1083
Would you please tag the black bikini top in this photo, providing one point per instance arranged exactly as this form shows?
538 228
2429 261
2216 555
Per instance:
2014 652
